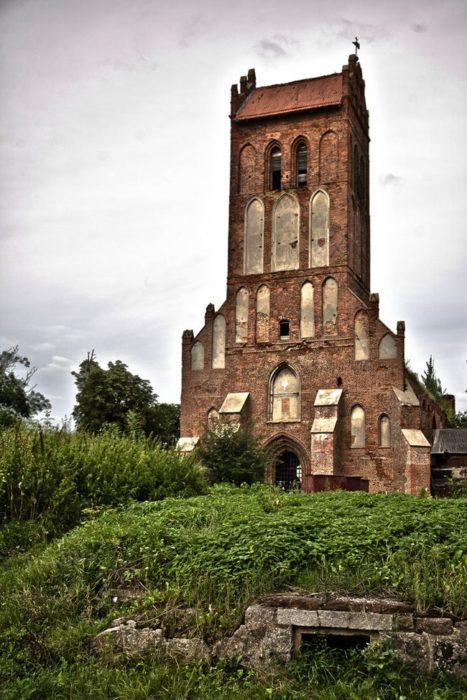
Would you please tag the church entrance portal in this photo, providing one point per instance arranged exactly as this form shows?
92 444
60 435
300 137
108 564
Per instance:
287 470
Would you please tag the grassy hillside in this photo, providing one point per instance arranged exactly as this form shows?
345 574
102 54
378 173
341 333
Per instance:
215 554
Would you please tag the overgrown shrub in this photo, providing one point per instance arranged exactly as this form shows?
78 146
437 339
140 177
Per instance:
233 455
54 474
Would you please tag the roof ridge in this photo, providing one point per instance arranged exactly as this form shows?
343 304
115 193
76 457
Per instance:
294 82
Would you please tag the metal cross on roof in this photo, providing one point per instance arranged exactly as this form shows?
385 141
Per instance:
356 43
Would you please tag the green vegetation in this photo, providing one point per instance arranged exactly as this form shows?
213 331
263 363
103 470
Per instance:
115 396
214 554
17 398
233 455
53 477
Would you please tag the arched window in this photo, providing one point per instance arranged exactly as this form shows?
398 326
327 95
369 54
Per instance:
247 170
262 314
307 311
254 227
319 229
197 356
285 233
275 168
387 347
284 395
218 342
362 337
357 427
241 316
301 155
328 157
330 306
384 431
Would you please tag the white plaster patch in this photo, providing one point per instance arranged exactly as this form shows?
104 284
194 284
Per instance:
234 402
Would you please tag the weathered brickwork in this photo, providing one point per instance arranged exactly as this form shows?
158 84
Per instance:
296 219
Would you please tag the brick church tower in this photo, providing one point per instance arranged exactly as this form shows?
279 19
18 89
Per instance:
298 347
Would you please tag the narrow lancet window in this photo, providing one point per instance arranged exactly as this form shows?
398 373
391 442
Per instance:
241 316
319 230
262 314
197 356
384 431
218 343
302 165
276 168
357 427
362 337
307 313
254 227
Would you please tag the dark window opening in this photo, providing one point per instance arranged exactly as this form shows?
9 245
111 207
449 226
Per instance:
339 381
311 643
288 471
284 329
301 165
276 168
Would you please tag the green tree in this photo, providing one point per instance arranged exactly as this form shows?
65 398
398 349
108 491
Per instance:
115 396
17 398
233 455
432 382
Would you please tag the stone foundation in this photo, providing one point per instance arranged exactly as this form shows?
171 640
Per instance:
274 629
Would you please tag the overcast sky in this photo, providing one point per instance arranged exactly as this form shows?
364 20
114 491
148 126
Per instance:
114 147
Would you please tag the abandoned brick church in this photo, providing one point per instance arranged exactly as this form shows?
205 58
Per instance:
298 347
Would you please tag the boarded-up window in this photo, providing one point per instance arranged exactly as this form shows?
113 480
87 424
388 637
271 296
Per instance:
387 347
362 336
197 356
384 431
330 306
328 157
247 170
218 342
241 316
262 314
213 419
285 236
357 427
319 230
302 164
254 226
285 396
307 311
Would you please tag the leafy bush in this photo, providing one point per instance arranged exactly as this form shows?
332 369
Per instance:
233 455
55 475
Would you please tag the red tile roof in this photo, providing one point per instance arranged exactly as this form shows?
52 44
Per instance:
292 97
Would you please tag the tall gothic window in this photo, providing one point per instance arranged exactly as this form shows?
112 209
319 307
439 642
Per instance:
319 229
275 168
254 227
357 427
218 342
384 431
284 395
302 164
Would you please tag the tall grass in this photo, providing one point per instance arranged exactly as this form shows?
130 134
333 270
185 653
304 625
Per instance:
55 475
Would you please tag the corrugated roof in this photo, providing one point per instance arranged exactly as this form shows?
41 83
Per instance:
292 97
452 440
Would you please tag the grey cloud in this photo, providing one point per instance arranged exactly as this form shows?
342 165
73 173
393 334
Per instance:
389 179
367 33
275 47
418 28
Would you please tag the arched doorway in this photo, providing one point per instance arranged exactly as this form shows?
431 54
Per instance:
287 470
